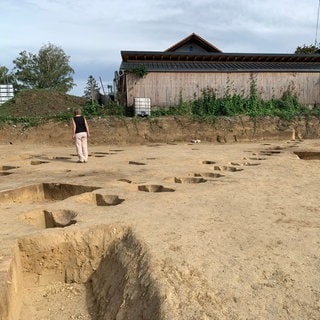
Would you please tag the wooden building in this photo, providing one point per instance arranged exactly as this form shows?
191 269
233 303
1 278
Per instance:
192 65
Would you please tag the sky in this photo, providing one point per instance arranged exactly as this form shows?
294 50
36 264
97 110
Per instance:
93 33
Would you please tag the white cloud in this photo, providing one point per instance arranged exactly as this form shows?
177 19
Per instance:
94 32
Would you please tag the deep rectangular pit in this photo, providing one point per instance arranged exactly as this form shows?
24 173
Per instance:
100 273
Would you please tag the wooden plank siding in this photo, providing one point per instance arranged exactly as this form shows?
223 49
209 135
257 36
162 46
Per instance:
165 88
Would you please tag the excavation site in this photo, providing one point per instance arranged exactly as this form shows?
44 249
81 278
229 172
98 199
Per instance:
161 230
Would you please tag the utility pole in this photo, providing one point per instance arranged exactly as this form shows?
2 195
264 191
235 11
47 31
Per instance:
104 93
317 26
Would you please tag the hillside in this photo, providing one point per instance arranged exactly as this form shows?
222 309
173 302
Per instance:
29 103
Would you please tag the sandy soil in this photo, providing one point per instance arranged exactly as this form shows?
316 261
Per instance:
160 231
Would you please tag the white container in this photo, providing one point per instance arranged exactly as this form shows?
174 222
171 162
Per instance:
6 89
6 92
142 107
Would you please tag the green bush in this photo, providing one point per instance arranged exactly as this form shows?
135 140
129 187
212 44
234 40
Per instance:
208 105
92 110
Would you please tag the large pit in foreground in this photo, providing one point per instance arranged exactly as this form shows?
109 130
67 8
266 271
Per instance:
98 273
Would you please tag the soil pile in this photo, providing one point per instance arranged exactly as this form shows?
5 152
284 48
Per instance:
30 103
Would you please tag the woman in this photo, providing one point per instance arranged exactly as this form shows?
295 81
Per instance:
80 135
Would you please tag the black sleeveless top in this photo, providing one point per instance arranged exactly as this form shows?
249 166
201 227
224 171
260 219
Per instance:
80 124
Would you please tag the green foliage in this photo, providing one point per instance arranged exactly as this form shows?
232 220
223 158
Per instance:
115 109
25 70
315 111
49 69
140 71
5 76
92 110
310 49
208 105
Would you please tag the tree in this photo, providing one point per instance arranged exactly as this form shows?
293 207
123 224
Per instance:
5 77
92 89
311 49
25 70
49 69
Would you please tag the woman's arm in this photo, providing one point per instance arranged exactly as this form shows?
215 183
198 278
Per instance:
87 127
73 129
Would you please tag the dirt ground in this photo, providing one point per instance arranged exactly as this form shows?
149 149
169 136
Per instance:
159 230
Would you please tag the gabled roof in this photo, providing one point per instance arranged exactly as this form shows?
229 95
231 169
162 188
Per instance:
207 58
191 40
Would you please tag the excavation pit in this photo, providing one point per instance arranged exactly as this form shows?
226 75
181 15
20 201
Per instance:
107 200
37 162
4 173
98 273
62 158
100 199
43 192
207 175
189 180
5 168
257 158
101 154
226 168
248 164
154 188
137 163
208 162
49 219
125 180
308 155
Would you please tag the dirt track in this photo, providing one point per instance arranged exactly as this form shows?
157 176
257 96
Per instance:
163 230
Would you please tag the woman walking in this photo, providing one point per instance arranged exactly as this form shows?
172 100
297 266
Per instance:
80 135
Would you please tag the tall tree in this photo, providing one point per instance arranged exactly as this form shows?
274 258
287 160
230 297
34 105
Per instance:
310 49
49 69
92 89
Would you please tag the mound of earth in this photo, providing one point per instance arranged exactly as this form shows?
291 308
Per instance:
30 103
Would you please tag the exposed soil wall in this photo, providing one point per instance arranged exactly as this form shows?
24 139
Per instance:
107 266
166 130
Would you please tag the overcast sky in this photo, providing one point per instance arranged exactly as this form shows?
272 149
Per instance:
94 32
